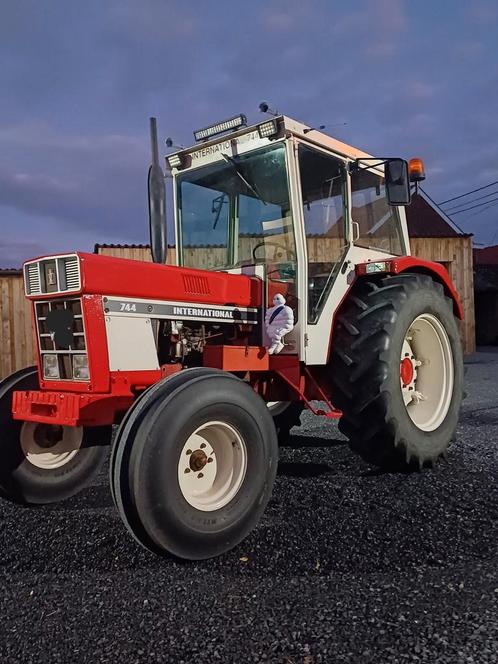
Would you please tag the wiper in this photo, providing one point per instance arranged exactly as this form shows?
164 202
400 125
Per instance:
251 187
219 200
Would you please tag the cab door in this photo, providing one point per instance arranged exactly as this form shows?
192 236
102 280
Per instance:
323 185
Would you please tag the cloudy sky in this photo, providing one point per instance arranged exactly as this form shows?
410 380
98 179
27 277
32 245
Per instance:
79 81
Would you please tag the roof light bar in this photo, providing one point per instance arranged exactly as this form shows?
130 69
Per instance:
232 123
268 128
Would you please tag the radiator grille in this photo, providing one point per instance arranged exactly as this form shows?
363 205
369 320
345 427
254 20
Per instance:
57 274
72 271
32 278
47 342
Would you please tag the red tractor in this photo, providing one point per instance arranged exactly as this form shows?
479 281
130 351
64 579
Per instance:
177 356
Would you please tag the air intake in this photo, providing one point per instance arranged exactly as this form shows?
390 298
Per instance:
196 285
32 279
56 274
72 272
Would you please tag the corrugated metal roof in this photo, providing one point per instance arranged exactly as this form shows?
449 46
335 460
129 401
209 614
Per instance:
425 219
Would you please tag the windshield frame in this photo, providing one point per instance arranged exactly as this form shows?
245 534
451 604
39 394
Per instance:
233 237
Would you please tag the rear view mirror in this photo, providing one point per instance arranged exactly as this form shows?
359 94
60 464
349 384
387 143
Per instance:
397 182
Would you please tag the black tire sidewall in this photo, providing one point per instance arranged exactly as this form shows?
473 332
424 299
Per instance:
38 485
167 517
23 482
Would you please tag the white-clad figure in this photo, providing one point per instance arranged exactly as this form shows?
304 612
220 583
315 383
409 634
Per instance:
279 320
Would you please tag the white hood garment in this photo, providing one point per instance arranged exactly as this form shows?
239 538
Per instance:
279 320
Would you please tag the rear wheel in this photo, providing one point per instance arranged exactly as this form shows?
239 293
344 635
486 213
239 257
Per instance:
397 371
41 463
193 475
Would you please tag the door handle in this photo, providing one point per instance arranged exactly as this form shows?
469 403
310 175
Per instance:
356 230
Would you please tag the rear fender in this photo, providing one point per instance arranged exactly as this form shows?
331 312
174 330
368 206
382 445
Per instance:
412 264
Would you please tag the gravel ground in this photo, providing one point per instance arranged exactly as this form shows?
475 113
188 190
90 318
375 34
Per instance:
347 565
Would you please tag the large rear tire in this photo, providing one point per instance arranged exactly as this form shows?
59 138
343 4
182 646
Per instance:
194 469
397 371
40 463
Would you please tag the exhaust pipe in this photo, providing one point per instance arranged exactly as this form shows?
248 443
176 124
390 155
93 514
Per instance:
157 201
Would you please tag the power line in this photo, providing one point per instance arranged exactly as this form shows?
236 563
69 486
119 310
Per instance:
474 200
468 192
476 206
441 210
479 211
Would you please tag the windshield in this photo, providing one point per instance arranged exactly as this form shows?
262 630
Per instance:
237 212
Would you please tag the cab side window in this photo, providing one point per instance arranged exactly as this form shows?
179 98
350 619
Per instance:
378 223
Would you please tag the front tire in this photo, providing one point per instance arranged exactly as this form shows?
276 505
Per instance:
40 463
173 499
397 371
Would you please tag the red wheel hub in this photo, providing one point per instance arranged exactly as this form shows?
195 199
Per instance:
406 371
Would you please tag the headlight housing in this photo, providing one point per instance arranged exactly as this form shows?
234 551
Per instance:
50 366
80 367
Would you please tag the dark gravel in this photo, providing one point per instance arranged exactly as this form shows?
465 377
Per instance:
347 565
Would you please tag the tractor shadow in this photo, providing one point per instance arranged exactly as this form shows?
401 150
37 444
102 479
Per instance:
313 441
93 498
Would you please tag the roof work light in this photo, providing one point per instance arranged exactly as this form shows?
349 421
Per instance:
416 170
232 123
268 128
174 161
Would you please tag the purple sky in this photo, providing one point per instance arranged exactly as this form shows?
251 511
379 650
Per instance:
79 82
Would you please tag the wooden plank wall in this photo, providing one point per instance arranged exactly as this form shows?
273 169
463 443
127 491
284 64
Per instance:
16 335
456 254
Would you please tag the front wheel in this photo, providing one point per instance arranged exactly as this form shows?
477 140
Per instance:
193 470
41 463
397 371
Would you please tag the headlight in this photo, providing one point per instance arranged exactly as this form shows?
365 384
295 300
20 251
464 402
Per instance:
50 366
80 367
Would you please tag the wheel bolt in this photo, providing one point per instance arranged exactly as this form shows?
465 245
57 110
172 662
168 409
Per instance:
210 460
203 445
189 452
187 470
200 475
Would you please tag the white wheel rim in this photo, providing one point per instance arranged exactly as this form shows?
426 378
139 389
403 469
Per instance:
212 466
427 386
49 447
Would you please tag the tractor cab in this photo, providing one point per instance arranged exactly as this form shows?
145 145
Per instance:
292 205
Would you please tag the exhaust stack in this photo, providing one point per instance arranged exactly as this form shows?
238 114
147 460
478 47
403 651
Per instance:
157 201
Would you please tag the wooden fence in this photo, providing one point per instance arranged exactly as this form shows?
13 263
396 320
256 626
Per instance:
17 349
16 338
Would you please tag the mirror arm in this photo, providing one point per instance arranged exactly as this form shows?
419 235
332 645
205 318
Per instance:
354 166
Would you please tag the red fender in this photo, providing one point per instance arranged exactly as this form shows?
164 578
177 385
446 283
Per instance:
414 264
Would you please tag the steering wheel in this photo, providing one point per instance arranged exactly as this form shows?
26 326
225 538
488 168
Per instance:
276 245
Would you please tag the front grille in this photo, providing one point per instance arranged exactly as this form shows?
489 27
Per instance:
48 342
57 274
